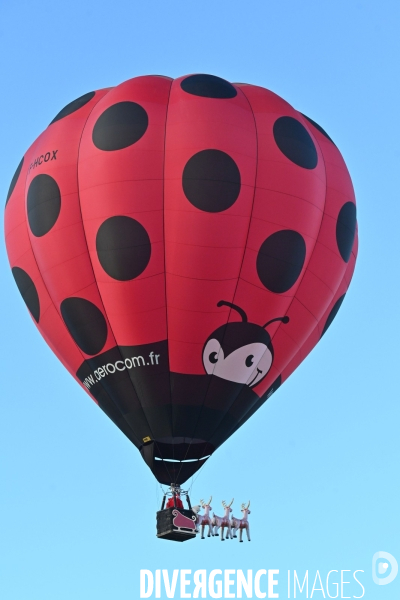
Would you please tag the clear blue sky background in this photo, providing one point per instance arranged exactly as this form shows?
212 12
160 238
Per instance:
320 460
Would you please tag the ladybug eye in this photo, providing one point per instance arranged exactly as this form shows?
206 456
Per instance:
249 360
213 358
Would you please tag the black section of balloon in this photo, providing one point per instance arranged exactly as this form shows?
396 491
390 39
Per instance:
332 314
14 180
346 229
294 141
211 181
120 126
73 106
86 324
320 129
123 247
280 260
130 375
203 413
28 291
208 86
43 204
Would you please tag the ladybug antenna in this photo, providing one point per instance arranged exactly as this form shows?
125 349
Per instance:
283 319
239 310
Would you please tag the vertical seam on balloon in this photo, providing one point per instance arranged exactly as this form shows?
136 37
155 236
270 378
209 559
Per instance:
241 265
318 322
320 225
165 267
97 287
302 119
105 313
305 270
44 283
234 293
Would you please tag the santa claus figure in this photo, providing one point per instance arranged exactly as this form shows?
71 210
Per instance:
178 501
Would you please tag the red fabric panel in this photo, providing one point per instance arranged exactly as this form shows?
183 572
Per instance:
20 255
129 182
61 254
203 247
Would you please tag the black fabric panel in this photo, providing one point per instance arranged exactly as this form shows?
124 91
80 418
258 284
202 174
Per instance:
120 126
332 314
188 450
139 390
280 260
201 404
211 180
294 141
320 129
28 291
208 86
43 204
107 405
123 247
137 399
85 323
249 410
152 384
73 106
178 473
14 179
346 230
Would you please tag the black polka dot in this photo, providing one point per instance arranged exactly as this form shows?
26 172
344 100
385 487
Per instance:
43 204
208 86
294 141
123 247
280 260
73 106
86 324
120 126
28 291
14 180
211 180
333 314
320 129
346 229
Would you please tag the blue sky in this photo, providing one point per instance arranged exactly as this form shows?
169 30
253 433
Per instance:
320 460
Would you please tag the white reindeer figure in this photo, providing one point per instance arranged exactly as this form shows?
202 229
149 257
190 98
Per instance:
222 522
204 520
242 523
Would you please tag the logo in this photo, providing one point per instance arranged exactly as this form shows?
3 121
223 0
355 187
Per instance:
384 563
43 158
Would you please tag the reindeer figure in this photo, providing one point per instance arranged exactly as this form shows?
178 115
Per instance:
205 519
222 522
242 523
196 509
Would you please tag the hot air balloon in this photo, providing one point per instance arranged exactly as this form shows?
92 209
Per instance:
181 245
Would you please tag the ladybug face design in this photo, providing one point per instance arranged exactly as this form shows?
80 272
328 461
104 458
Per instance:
239 352
248 364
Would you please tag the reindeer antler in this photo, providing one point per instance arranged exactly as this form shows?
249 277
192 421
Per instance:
223 503
242 505
231 502
209 502
248 506
202 503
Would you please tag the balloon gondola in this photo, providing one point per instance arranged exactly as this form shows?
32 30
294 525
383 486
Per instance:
174 522
181 245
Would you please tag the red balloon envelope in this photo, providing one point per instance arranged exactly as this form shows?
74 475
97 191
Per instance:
182 245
